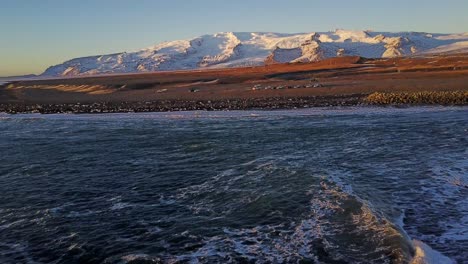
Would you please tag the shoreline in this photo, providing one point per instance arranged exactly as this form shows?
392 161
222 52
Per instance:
269 103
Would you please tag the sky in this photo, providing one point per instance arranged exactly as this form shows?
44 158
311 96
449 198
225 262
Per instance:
36 34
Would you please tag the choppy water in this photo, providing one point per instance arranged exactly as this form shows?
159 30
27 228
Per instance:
320 186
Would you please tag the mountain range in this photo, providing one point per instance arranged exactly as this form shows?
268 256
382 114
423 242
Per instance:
232 49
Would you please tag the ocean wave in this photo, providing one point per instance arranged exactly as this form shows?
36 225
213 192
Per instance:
445 208
426 255
363 187
341 226
356 232
338 227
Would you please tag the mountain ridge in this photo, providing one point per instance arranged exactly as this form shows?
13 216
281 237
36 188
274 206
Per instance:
241 49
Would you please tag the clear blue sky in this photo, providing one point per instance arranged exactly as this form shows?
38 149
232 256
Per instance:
35 34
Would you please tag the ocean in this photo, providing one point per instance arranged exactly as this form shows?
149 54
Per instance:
336 185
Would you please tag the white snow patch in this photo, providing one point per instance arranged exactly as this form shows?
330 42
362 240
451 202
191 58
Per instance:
234 49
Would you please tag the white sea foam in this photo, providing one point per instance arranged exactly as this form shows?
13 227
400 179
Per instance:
120 206
423 195
426 255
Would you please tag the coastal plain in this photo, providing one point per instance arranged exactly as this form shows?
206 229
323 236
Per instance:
336 81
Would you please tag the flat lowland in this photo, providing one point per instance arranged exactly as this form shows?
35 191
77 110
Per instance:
336 81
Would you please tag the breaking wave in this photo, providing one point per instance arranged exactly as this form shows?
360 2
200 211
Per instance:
335 186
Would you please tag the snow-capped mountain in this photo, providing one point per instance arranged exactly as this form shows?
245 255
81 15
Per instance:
230 49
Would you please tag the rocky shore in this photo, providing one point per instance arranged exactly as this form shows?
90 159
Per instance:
269 103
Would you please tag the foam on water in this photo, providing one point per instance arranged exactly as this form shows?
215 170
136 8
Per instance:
339 227
445 193
320 231
344 185
425 255
422 253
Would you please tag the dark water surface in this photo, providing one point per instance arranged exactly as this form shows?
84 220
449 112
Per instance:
356 185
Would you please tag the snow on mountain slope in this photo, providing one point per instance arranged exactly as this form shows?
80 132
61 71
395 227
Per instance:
228 49
461 46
